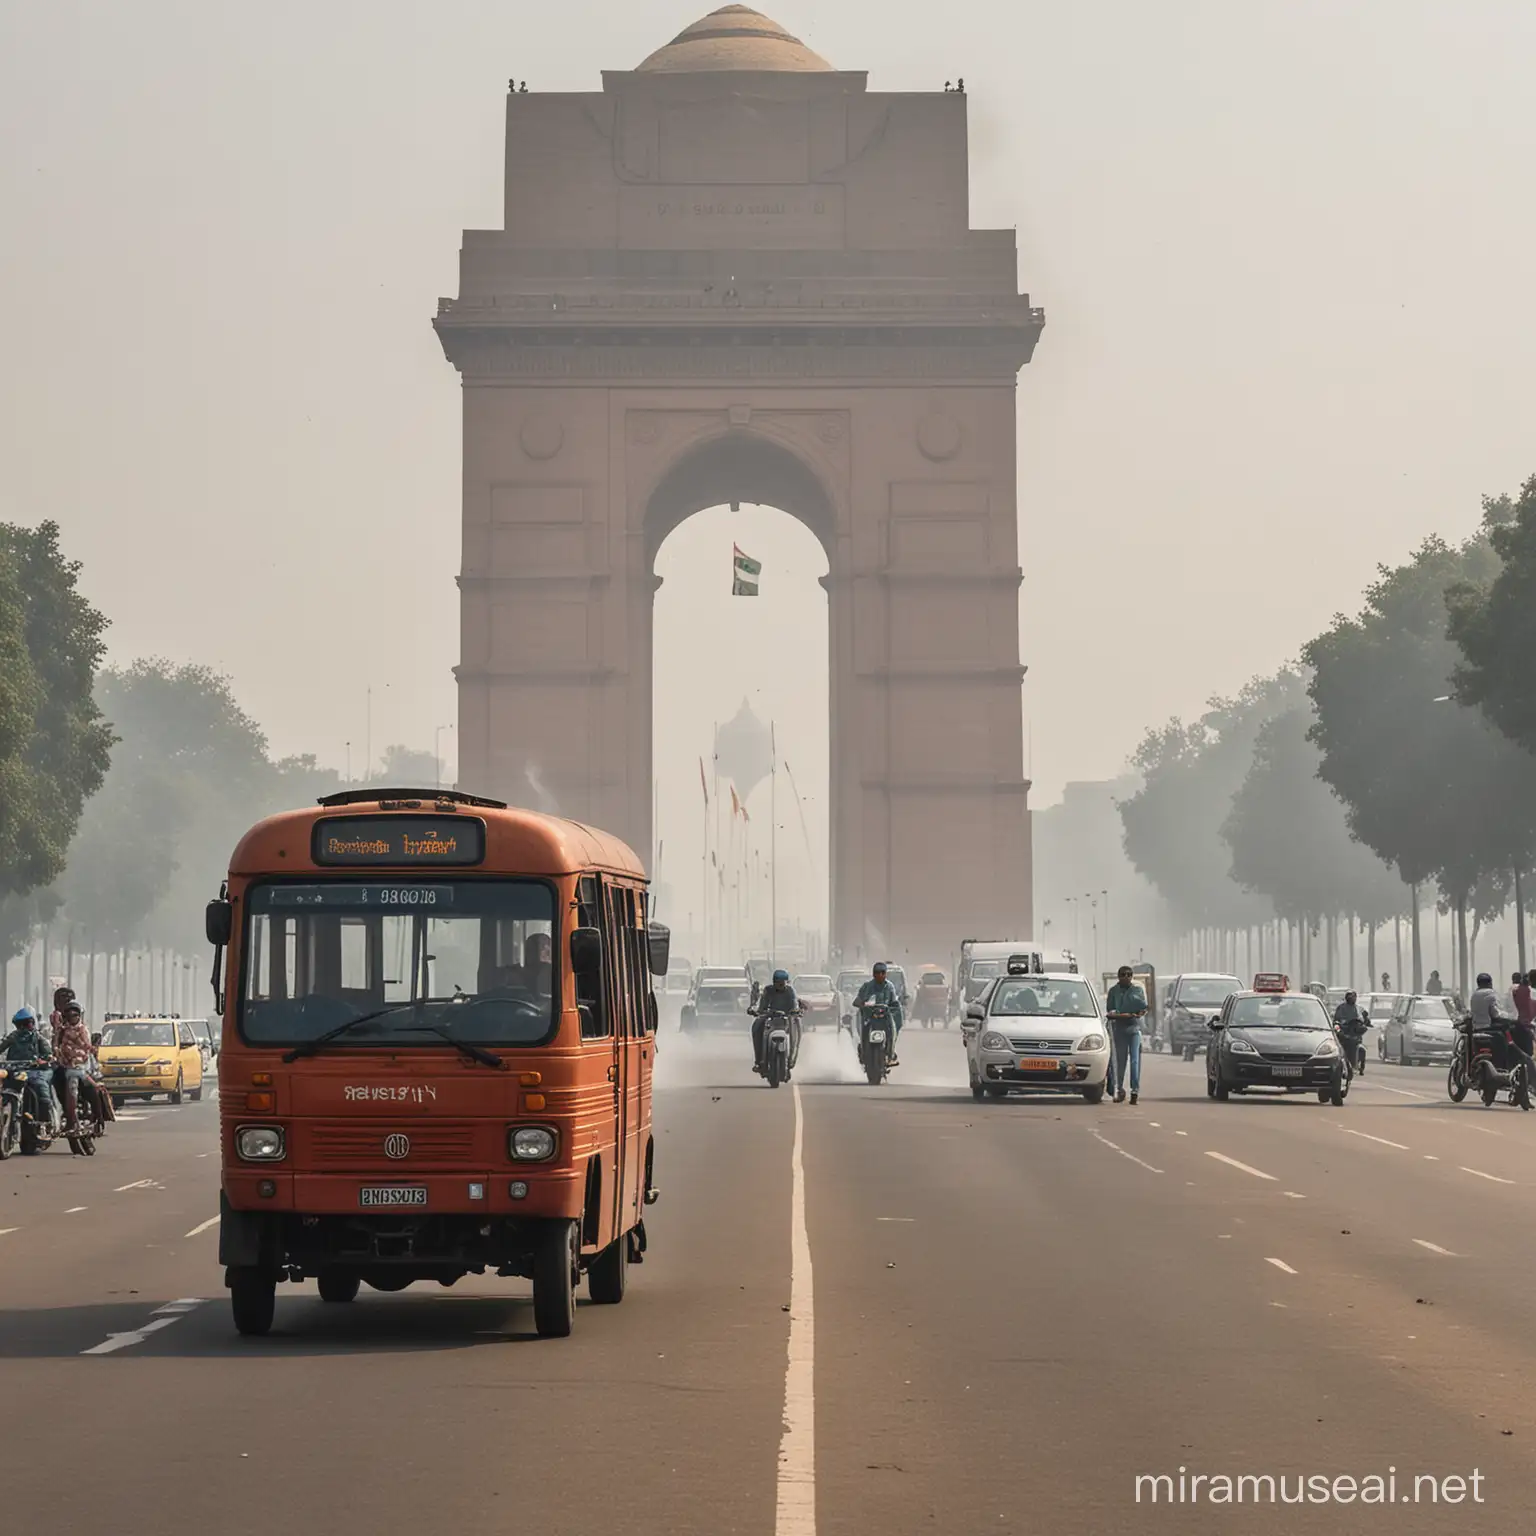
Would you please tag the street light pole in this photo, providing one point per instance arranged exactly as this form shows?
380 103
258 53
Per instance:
437 750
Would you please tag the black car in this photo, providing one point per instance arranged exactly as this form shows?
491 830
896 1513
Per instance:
1282 1040
717 1005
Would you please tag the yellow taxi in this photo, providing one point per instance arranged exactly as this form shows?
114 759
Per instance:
141 1057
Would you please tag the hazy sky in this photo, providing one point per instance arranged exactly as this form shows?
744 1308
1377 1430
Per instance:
1285 248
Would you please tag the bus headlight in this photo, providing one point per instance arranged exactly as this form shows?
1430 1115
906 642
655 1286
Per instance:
259 1143
531 1144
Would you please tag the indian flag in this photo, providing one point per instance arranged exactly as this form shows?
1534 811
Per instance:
744 573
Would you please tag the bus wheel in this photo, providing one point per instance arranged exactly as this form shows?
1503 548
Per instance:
253 1300
337 1285
607 1273
554 1280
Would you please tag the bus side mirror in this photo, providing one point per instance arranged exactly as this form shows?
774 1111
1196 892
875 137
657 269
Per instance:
217 922
586 951
659 938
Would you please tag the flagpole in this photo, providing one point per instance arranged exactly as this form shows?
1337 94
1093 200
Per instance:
773 843
714 763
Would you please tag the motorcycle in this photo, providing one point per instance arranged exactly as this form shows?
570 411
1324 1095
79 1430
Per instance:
874 1042
1352 1044
1486 1059
26 1125
780 1046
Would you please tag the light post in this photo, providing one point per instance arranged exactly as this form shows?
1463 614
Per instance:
1107 950
1071 903
437 750
1093 914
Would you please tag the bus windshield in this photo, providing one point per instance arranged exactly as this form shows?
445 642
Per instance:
407 959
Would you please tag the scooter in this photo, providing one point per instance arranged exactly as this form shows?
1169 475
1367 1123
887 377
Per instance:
1486 1059
780 1048
874 1042
27 1124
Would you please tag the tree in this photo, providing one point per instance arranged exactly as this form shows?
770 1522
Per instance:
1494 623
1428 784
54 746
1289 838
1190 773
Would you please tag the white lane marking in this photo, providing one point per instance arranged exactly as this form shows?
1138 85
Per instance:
5 1230
1281 1264
1123 1153
1401 1092
1232 1162
75 1210
212 1221
1291 1194
1349 1131
1492 1178
1181 1133
119 1118
1466 1125
172 1312
1429 1157
1156 1125
795 1514
1434 1247
137 1184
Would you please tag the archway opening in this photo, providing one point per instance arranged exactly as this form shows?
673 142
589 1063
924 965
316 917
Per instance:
727 864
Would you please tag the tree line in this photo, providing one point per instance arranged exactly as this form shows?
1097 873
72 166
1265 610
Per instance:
123 791
1391 767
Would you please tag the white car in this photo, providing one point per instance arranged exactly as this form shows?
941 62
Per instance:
1037 1034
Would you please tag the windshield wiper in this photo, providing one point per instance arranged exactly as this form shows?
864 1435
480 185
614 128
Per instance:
474 1052
310 1047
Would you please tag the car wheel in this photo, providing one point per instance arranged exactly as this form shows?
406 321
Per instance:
1210 1086
1402 1052
1095 1094
1220 1084
175 1095
338 1286
997 1090
196 1094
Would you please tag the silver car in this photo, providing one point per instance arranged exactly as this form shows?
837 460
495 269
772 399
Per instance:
1037 1034
1421 1031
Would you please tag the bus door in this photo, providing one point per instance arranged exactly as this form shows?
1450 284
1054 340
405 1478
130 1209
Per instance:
618 907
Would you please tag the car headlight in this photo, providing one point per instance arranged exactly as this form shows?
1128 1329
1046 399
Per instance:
157 1066
1327 1047
532 1144
259 1143
992 1041
1241 1047
1090 1043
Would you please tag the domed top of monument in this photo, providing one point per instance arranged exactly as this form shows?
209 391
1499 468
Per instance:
734 38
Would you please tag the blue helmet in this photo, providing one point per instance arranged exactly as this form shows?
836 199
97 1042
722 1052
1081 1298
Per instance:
23 1016
780 976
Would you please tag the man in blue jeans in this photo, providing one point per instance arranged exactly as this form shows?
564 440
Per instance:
1126 1007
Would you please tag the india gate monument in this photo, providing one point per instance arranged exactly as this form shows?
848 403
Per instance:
735 273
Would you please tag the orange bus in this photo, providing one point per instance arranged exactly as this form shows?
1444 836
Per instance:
438 1052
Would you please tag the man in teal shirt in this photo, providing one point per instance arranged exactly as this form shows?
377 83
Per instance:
1126 1007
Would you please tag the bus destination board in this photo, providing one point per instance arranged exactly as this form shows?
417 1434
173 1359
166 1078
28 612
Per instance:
399 841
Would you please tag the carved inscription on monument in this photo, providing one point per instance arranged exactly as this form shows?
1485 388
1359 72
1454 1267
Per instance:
722 218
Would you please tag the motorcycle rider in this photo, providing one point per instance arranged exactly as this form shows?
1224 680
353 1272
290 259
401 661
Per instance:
777 997
1351 1021
25 1046
879 991
72 1045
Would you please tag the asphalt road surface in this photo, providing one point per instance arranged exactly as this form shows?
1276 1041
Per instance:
863 1310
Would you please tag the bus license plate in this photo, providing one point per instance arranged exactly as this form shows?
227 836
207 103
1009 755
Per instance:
391 1195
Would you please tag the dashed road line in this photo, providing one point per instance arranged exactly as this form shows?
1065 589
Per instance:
137 1184
1291 1194
161 1317
213 1221
1281 1264
75 1210
1492 1178
6 1231
795 1508
1434 1247
1123 1153
1366 1135
1232 1162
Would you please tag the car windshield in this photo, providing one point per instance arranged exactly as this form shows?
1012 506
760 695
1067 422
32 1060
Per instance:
403 961
718 996
934 979
1279 1011
812 983
139 1034
1436 1008
1044 998
986 968
1381 1004
721 973
1207 992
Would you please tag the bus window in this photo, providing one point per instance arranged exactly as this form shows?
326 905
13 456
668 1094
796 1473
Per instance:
589 989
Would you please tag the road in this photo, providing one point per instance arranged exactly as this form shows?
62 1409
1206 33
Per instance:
942 1317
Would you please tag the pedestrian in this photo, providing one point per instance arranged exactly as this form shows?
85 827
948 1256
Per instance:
1434 987
1386 981
1525 998
1126 1006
